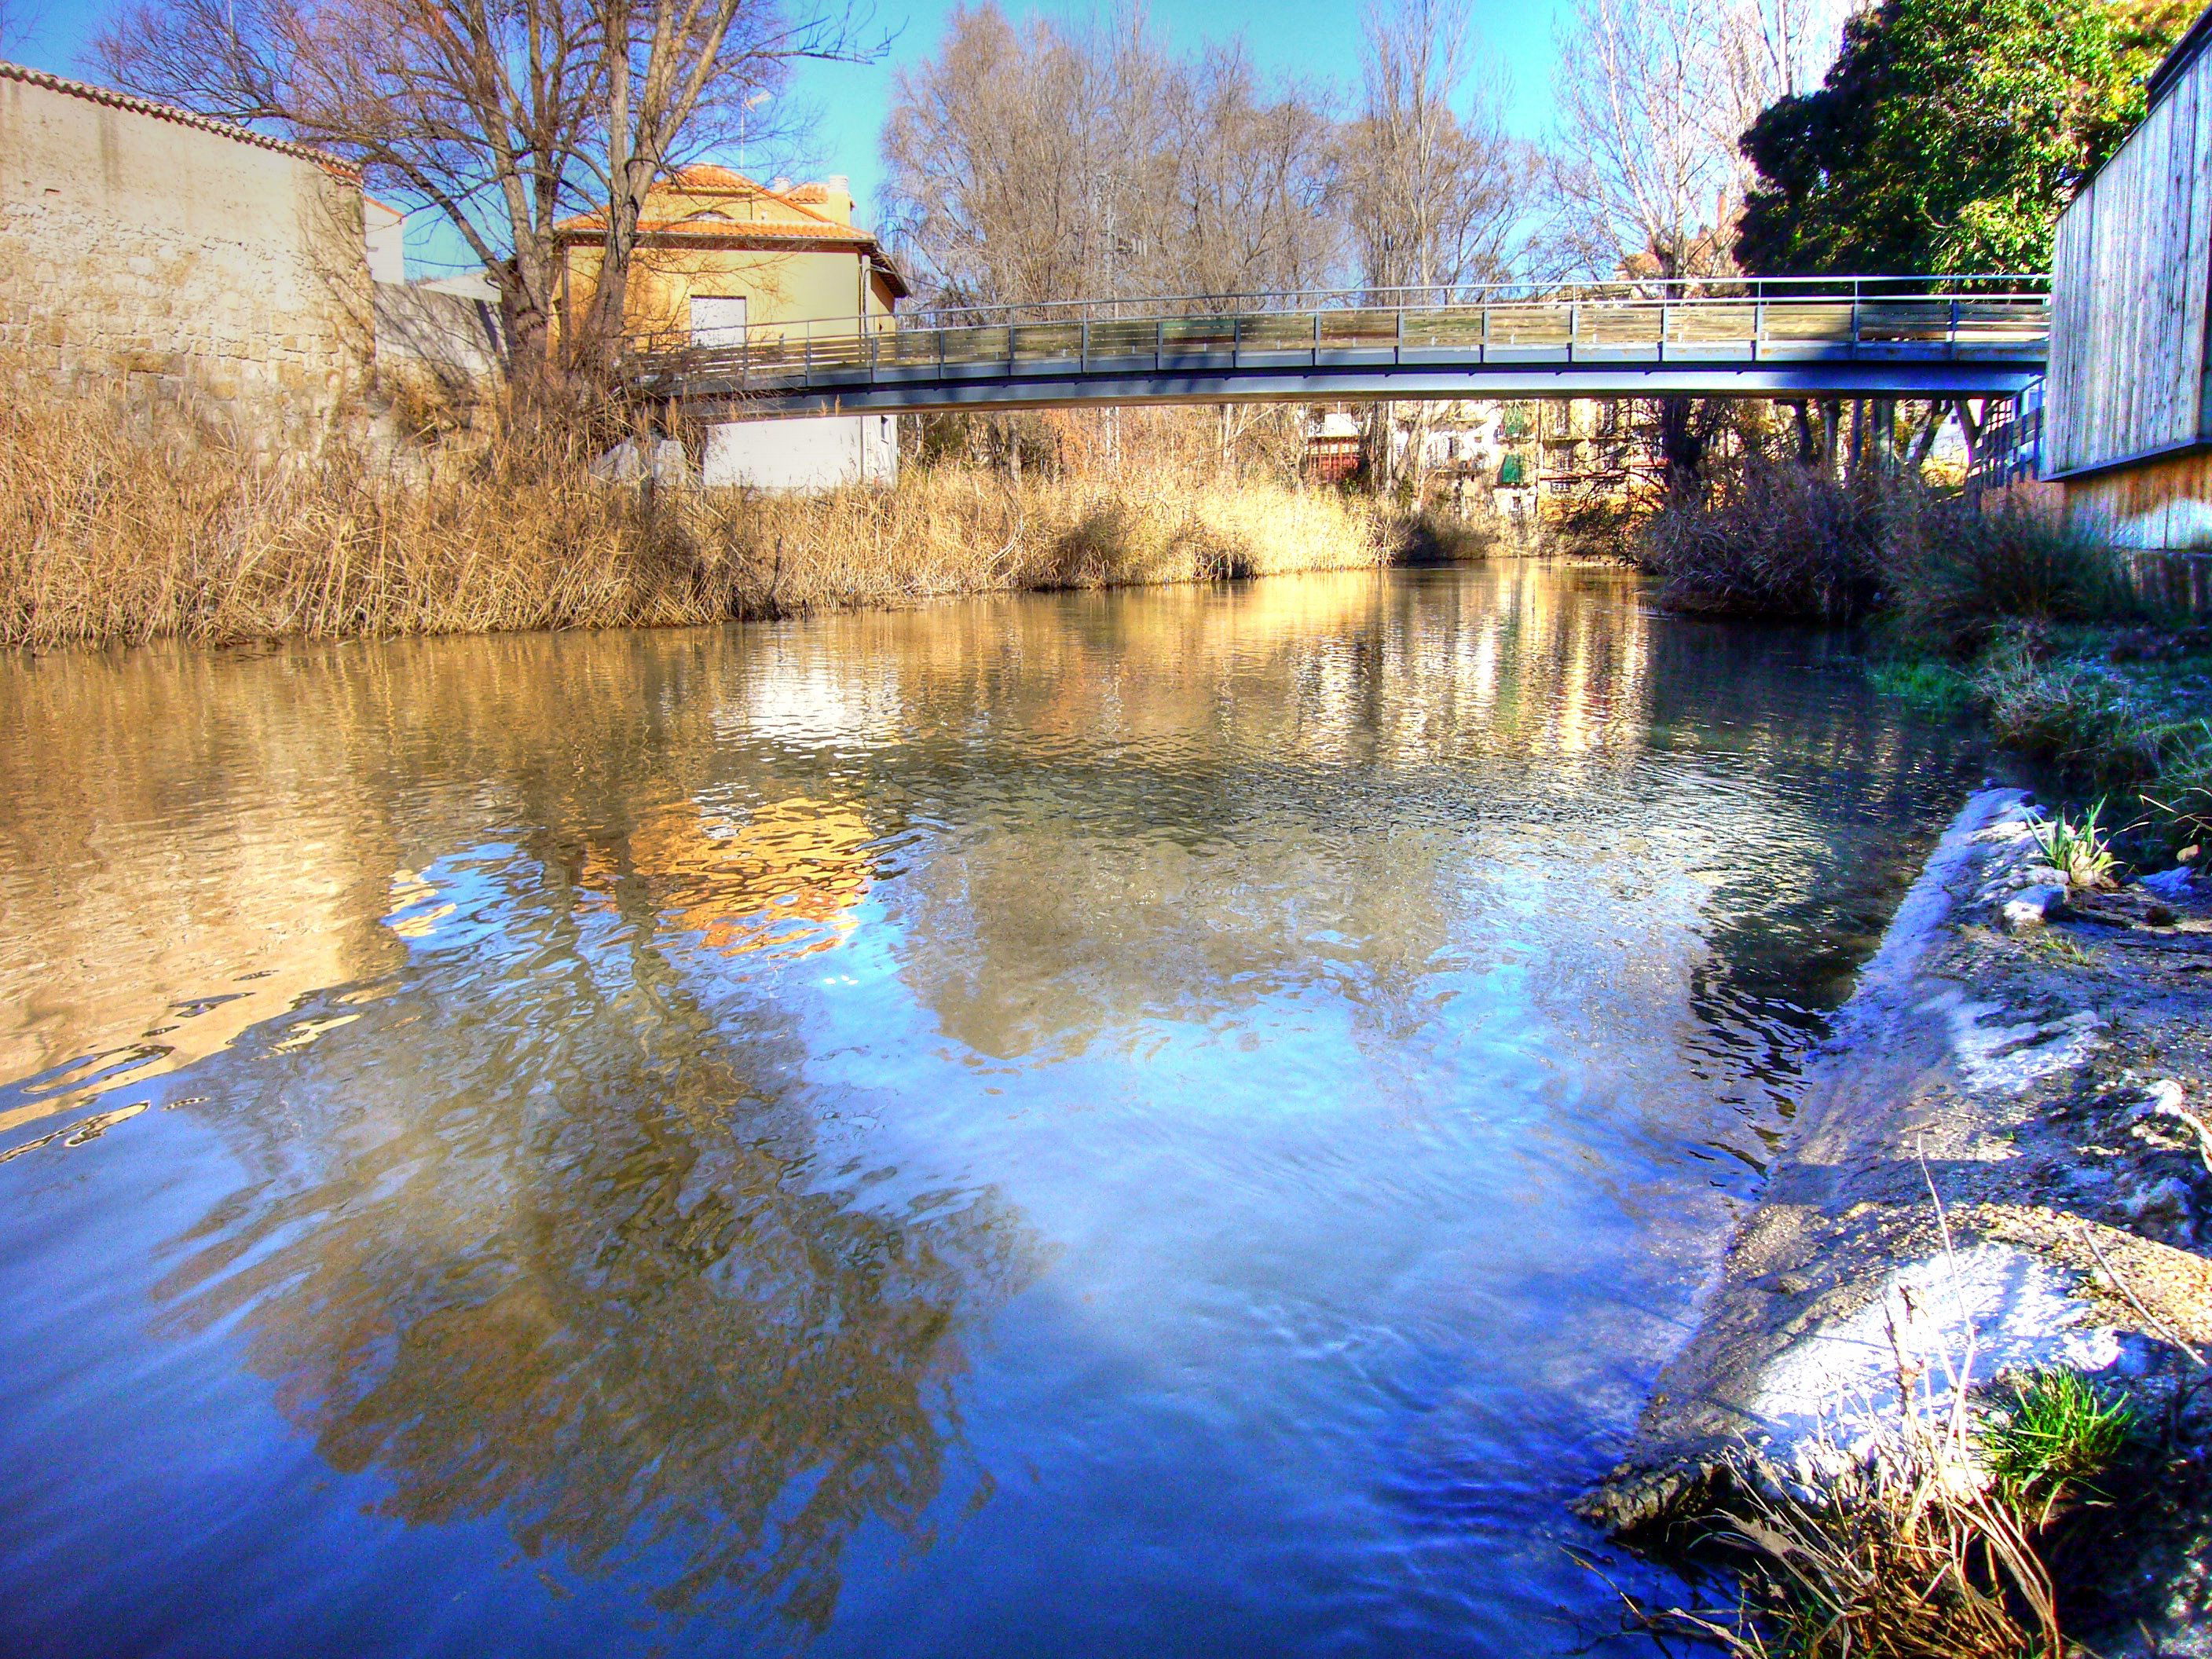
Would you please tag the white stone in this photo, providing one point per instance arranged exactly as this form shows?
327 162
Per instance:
2032 907
2010 1057
2169 883
1953 1319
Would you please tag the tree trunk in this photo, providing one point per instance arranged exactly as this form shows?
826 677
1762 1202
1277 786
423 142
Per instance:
1971 425
1808 451
1685 432
1923 440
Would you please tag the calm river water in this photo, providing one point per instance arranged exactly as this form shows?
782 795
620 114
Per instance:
1172 1122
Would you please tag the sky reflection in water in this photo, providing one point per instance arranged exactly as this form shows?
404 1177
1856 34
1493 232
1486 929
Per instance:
1167 1122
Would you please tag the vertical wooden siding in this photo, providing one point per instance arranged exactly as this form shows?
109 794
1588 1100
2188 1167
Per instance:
2166 503
2130 284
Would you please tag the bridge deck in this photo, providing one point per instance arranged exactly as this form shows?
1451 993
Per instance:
1770 344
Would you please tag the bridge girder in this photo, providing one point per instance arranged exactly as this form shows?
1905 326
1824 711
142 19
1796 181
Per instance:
1045 386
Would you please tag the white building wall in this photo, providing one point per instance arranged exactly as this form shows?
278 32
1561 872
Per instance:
175 259
814 452
384 229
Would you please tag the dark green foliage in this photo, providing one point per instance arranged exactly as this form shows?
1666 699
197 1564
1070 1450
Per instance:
1949 135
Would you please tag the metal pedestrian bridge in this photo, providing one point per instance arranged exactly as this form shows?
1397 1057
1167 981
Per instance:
1833 337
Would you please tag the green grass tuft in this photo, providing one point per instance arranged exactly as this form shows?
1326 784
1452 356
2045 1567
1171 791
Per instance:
2060 1435
2081 852
1938 688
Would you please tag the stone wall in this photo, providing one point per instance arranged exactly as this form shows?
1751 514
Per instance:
176 259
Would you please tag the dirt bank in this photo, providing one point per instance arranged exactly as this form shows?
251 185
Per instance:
2039 1078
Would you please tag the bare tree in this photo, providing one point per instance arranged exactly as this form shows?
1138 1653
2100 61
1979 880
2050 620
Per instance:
677 74
1250 180
1644 177
501 115
18 23
1426 180
1427 173
1041 162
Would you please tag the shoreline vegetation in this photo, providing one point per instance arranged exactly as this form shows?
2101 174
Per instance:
119 529
1993 1507
2052 637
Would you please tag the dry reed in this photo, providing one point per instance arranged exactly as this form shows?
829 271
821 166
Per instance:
116 529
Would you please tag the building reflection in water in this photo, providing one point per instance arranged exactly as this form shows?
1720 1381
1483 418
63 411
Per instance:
494 967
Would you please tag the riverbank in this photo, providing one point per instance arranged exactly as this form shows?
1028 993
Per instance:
1999 1171
2119 709
115 532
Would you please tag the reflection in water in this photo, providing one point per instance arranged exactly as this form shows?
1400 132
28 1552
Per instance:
1166 1121
622 1309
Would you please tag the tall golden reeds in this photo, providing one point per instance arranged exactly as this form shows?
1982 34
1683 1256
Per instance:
116 528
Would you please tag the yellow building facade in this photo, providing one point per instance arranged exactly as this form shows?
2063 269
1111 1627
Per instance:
718 253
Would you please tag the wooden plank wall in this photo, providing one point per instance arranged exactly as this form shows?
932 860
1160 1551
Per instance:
2130 284
2165 504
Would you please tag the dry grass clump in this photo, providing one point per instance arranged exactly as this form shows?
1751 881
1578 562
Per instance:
945 531
116 529
1902 1556
1789 541
1930 1538
1781 541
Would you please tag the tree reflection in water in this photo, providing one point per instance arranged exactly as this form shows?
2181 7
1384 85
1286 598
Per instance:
570 1256
1379 986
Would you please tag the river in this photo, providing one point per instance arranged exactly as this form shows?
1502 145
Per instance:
1174 1122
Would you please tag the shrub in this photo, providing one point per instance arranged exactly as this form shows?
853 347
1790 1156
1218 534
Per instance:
1430 537
2181 794
1955 572
1786 542
2066 713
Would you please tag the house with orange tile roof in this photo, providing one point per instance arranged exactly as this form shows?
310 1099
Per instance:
718 254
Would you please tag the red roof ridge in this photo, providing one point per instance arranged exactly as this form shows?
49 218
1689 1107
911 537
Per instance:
707 176
184 117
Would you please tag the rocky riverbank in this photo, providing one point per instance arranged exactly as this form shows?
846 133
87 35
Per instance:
2003 1164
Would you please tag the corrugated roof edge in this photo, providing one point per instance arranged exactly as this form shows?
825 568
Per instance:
2176 63
184 117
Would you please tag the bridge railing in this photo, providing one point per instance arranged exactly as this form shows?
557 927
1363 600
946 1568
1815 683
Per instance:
1453 296
1773 321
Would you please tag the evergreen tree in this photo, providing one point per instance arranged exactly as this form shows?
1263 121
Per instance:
1949 135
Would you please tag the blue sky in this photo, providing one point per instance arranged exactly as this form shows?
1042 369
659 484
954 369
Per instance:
1311 39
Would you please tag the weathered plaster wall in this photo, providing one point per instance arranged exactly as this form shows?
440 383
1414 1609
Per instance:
780 287
183 264
803 453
